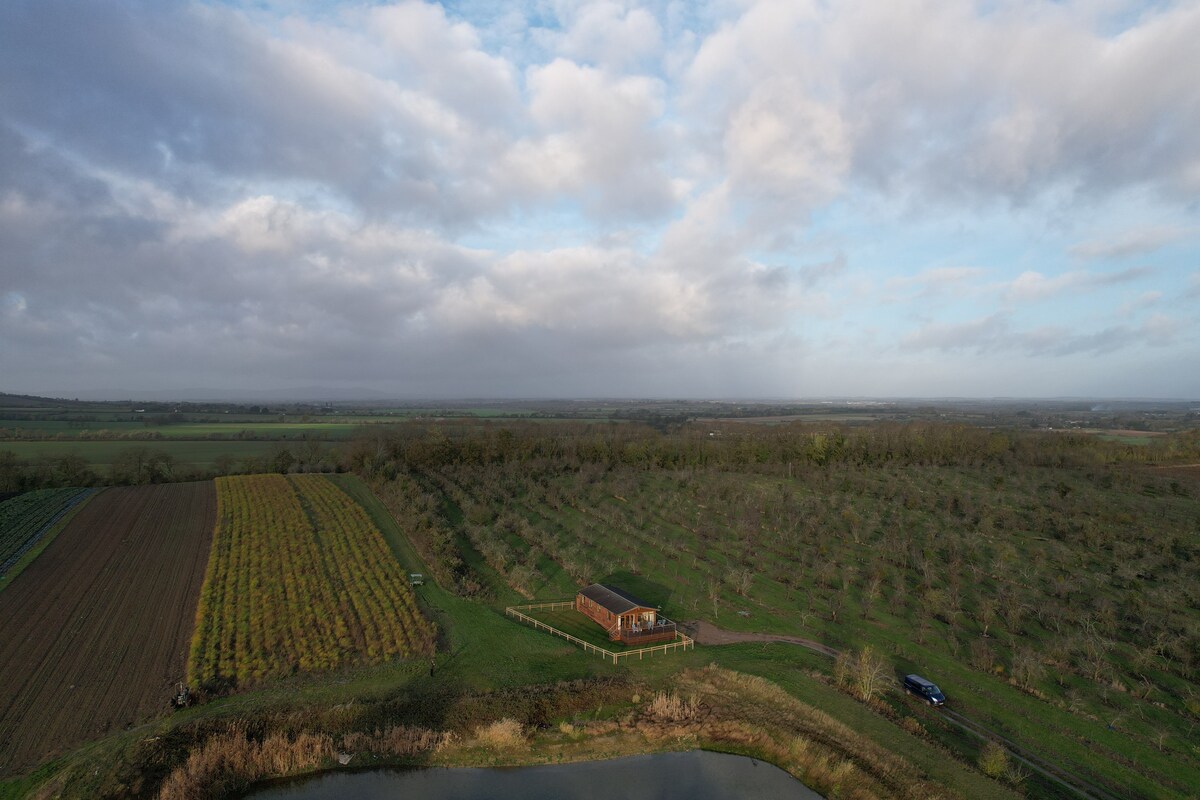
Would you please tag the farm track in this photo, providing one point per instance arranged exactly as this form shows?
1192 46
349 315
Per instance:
705 633
97 628
1052 772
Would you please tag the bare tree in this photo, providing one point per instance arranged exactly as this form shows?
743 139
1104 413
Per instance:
871 594
864 673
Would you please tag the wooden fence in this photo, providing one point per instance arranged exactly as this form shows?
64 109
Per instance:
684 642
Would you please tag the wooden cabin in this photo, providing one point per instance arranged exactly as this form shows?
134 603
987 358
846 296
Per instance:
625 618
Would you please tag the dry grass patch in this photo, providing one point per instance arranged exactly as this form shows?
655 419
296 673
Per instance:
668 706
229 762
503 734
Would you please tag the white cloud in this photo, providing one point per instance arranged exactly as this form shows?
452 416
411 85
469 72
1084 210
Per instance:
785 146
1140 303
1031 285
445 59
608 34
1135 242
596 140
935 281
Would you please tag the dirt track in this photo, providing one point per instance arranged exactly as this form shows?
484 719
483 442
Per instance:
95 633
707 633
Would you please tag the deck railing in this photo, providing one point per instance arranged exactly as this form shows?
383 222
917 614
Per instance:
682 642
660 628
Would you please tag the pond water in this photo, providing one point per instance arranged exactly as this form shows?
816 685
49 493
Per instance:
696 775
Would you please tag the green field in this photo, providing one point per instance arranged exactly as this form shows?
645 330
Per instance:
190 430
102 454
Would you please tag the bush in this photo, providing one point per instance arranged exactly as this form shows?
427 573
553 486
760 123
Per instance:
993 760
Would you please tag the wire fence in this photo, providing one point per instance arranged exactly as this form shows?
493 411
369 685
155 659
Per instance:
683 642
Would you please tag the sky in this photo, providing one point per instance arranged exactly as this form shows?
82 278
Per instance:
912 198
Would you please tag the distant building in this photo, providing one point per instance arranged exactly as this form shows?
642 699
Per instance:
626 619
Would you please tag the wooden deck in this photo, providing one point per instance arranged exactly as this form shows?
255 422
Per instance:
656 633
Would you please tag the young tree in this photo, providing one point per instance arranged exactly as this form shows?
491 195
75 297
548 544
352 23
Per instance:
993 760
864 674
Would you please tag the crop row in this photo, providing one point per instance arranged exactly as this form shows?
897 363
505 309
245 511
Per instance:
299 580
24 519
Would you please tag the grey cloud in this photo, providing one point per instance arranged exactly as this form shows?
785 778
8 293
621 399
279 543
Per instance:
209 196
981 335
188 95
813 274
267 290
996 333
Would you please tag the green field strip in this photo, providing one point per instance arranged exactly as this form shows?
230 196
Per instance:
46 539
102 454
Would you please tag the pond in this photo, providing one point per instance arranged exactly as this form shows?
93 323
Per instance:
695 775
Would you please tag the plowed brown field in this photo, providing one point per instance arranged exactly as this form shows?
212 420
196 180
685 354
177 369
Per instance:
94 634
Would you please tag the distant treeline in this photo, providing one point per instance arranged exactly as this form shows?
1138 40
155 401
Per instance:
390 449
384 451
133 435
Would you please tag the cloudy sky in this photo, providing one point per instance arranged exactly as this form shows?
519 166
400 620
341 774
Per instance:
551 198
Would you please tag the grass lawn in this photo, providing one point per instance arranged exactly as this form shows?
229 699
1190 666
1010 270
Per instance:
568 620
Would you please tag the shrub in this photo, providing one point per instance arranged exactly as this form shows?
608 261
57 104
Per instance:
993 760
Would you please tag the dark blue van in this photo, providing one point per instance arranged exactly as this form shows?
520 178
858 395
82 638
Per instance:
926 690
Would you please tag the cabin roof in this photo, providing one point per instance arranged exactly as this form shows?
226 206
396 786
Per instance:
612 598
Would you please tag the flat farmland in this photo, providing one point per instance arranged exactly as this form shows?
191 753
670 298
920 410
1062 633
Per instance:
190 430
95 632
101 454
